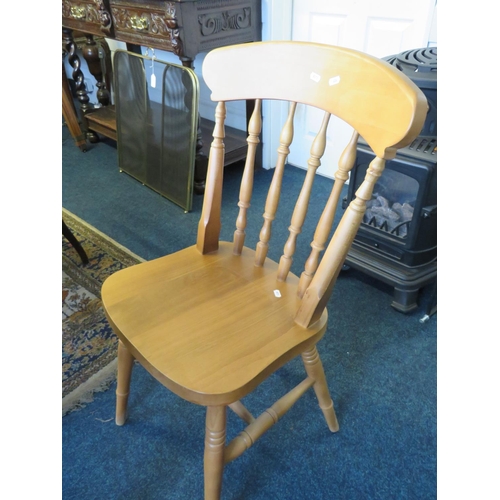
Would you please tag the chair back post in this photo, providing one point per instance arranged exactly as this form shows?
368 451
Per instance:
319 291
210 224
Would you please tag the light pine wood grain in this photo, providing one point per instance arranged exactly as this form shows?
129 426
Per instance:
386 109
125 363
274 193
214 320
300 211
195 316
254 128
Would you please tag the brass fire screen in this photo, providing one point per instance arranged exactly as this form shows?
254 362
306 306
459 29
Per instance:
157 122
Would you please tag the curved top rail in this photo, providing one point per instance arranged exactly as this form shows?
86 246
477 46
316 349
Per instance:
381 103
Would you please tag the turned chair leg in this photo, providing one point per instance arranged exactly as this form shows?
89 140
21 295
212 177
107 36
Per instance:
125 363
215 439
314 369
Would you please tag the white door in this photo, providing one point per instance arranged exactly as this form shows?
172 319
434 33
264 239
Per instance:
380 28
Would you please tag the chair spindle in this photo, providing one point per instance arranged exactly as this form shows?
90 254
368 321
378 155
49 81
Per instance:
300 210
240 409
273 195
317 294
254 128
346 162
209 225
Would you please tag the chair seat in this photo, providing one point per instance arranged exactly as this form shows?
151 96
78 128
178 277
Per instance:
209 327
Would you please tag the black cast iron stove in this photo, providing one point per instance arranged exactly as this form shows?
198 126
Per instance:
397 241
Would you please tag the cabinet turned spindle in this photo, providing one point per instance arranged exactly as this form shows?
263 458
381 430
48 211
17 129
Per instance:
77 74
90 53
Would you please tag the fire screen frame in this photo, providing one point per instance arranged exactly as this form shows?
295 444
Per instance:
157 118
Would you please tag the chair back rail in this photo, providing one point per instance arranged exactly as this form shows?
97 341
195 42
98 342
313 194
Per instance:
369 94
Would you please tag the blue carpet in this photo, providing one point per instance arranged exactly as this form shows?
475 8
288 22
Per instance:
380 366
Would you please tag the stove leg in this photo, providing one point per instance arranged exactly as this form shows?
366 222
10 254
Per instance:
431 307
405 300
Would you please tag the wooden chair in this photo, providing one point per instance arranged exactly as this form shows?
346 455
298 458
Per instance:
213 321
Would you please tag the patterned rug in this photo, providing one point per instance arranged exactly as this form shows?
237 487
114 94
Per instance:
88 343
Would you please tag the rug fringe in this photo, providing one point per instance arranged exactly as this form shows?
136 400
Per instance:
84 394
102 235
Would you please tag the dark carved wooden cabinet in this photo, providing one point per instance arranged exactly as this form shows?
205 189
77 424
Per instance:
183 27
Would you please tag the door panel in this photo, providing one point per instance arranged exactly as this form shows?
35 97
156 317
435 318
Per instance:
381 28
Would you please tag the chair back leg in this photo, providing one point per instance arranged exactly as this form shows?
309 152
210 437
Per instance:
314 368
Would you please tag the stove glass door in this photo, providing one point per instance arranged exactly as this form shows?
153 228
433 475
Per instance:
392 204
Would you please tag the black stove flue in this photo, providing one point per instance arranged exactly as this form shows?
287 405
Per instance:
397 241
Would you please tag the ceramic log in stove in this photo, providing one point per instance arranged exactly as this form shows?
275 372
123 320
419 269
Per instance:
397 241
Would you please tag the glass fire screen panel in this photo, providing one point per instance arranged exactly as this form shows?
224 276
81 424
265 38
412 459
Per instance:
157 123
392 204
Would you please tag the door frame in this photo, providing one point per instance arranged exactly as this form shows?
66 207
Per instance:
277 17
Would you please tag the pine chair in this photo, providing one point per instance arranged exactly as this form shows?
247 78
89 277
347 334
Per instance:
213 321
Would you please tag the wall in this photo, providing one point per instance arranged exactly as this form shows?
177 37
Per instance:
433 33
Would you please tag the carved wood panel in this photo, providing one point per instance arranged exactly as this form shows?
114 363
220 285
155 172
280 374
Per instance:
148 25
89 16
226 22
184 27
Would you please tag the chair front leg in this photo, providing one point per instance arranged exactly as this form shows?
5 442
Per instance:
314 368
215 440
125 363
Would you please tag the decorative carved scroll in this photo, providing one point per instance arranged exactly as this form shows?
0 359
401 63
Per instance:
104 17
78 12
125 20
93 12
66 8
224 21
151 23
173 28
